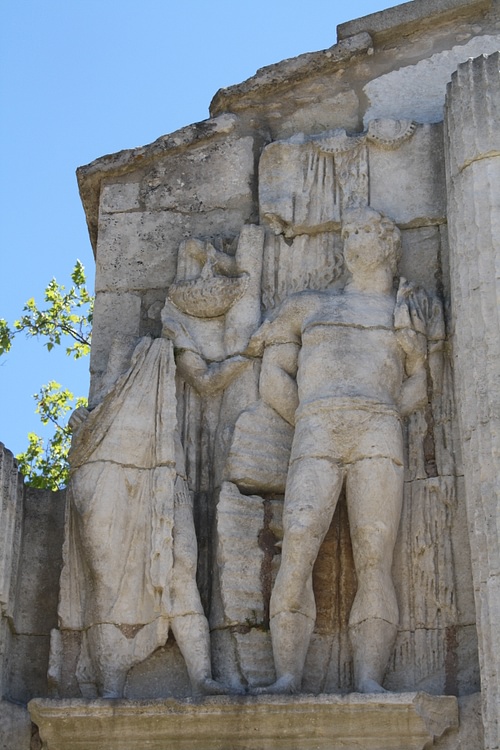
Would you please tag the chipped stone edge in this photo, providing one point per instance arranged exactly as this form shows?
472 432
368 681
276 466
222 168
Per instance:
433 714
436 722
287 73
91 175
392 21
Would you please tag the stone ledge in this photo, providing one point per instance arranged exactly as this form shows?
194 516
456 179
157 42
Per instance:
392 21
406 721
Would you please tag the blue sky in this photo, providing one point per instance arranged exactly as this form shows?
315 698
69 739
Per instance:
84 78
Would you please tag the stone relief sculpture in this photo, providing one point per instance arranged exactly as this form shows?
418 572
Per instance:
344 369
341 369
272 468
130 574
299 409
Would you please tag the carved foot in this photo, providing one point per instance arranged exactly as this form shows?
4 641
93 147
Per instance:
370 686
286 685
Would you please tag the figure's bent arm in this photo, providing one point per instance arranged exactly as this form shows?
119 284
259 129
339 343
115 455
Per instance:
282 338
414 389
278 387
208 378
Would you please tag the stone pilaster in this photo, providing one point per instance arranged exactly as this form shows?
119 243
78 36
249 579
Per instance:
472 136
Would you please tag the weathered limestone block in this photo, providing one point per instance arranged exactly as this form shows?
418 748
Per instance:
469 734
28 665
11 514
272 85
418 91
15 727
114 335
473 180
11 506
424 656
239 559
105 173
243 317
137 251
305 183
162 675
40 562
36 593
421 256
305 262
388 722
201 179
119 196
407 183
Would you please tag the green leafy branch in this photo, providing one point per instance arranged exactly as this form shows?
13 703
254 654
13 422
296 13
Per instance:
46 465
69 313
67 317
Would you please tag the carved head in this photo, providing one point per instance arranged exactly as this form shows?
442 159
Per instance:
370 238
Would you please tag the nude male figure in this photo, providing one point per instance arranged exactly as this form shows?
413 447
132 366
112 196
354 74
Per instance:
338 368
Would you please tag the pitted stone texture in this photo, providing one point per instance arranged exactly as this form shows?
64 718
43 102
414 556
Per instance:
418 91
239 521
420 257
469 734
35 594
28 663
205 190
137 251
11 516
400 19
472 119
473 176
119 196
397 167
280 75
408 183
387 722
117 320
201 179
111 168
40 562
15 727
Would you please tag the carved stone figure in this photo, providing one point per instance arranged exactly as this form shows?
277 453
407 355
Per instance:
130 573
343 368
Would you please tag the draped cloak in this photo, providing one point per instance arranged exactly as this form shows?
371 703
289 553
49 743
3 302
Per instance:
118 555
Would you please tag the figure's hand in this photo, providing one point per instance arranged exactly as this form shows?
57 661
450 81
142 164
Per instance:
175 331
409 310
78 418
172 329
414 346
257 343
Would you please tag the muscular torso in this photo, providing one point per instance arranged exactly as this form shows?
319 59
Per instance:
349 349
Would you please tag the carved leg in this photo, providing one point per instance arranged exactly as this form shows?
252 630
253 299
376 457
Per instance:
372 643
193 638
312 492
374 500
189 624
110 654
113 652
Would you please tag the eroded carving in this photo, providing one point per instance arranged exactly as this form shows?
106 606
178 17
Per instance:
131 556
311 410
210 294
343 369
